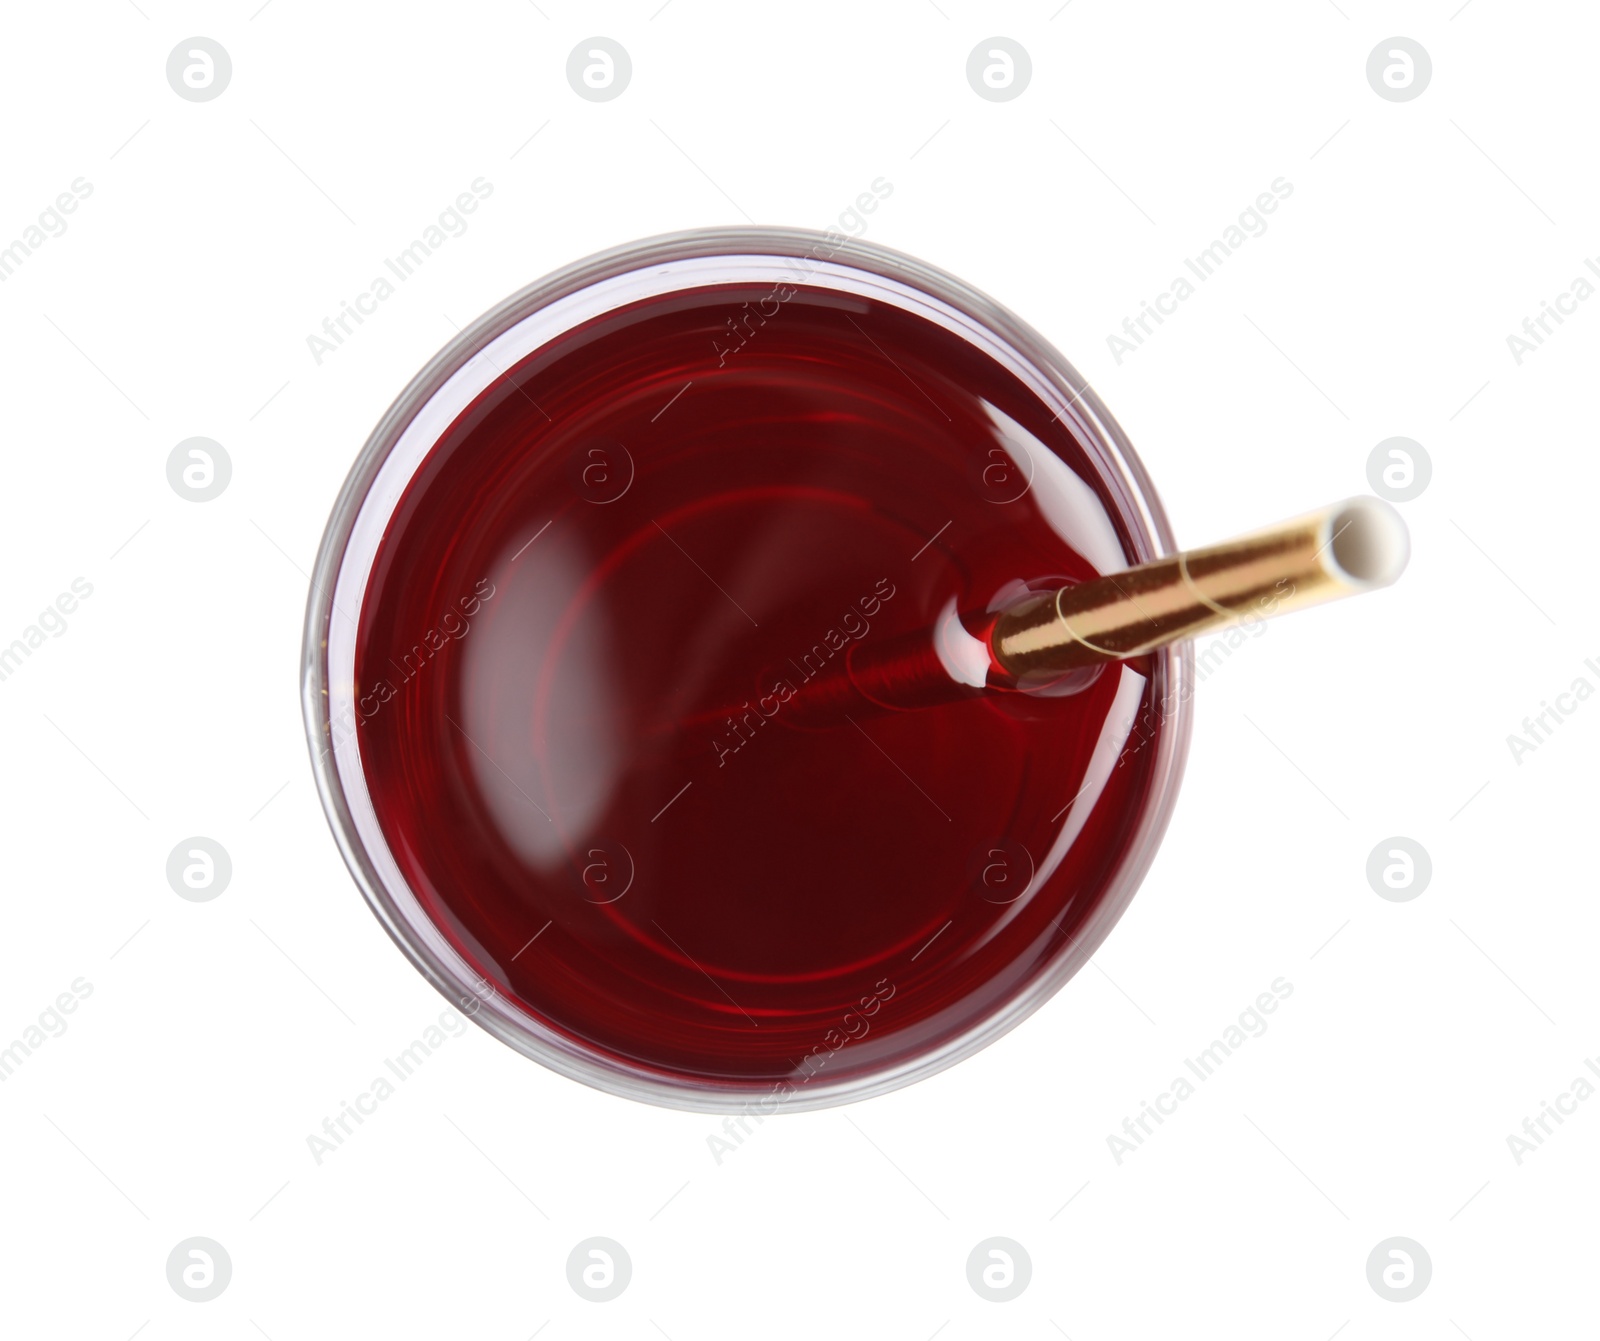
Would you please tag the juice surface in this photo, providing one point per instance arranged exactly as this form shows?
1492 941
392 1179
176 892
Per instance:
589 630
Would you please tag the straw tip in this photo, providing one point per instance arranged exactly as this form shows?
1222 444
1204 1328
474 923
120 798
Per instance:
1369 544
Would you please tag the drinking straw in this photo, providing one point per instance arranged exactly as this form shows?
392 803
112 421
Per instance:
1343 549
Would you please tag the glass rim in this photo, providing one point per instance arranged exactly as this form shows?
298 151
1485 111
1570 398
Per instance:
471 993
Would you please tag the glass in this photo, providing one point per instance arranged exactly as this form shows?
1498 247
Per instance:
572 672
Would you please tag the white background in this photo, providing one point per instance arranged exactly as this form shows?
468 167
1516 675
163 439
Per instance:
178 303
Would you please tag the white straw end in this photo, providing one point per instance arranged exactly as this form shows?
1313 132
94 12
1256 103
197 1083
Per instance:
1368 543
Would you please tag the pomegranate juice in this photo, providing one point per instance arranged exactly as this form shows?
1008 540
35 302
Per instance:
586 647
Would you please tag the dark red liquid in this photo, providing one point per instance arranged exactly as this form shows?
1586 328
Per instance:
636 529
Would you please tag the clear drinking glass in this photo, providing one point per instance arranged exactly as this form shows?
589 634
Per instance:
596 994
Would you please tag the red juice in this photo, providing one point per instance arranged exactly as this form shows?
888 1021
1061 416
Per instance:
592 626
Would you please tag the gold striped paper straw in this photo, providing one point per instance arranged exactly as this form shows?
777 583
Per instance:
1358 545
